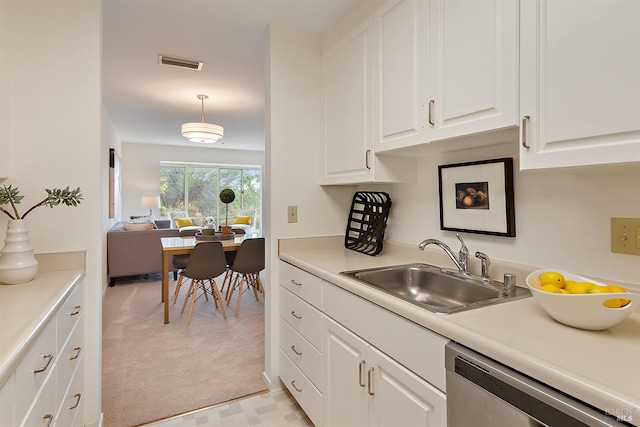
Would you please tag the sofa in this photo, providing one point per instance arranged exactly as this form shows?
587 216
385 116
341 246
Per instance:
135 252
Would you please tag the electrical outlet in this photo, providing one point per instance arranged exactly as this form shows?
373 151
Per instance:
292 214
625 235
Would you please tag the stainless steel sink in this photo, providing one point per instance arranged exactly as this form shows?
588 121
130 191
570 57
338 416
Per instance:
438 290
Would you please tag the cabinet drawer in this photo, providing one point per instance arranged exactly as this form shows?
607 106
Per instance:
302 317
419 349
41 358
309 397
70 359
7 403
68 315
300 283
302 353
44 408
72 402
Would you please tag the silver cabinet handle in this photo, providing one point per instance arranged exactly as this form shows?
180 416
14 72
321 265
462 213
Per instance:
49 358
299 353
78 350
366 159
77 310
431 104
293 384
296 283
523 132
360 376
293 313
370 379
77 396
49 419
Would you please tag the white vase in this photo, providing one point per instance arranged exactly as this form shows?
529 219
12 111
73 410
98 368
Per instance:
17 263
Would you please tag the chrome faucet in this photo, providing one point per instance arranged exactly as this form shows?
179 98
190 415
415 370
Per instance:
462 261
486 262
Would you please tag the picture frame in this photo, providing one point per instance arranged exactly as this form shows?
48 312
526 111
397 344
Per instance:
478 197
115 192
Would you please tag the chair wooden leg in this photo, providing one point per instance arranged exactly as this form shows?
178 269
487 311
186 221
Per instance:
232 288
217 296
186 297
260 285
228 276
193 301
240 292
254 285
178 285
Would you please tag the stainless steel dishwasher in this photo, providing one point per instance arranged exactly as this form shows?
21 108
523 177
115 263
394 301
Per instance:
484 393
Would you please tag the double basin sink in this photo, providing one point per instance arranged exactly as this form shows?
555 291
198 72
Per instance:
436 289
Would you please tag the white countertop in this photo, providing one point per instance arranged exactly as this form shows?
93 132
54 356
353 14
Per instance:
601 368
25 310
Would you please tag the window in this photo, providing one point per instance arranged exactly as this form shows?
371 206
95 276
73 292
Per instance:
194 188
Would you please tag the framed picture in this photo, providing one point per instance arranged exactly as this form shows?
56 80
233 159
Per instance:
477 197
114 184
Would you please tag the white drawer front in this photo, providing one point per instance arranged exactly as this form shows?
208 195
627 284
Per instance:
70 359
69 314
303 284
44 408
420 350
309 397
302 353
302 317
72 402
41 357
7 403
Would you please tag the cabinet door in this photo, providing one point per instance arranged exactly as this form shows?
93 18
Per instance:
401 74
346 142
473 63
345 387
580 83
399 397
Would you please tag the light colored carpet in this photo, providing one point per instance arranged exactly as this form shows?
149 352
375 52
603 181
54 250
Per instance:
152 371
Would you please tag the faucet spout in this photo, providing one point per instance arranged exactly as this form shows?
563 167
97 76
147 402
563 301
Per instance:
444 247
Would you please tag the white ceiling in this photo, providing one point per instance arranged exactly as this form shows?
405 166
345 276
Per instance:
148 102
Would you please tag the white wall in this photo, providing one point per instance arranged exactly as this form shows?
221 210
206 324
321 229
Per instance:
293 76
141 168
50 55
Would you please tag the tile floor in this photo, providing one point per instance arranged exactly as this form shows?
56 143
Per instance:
270 409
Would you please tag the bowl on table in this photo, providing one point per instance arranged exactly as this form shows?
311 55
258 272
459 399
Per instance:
583 311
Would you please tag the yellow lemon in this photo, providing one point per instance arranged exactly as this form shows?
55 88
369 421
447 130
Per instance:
551 278
564 291
614 288
568 284
551 288
581 287
611 303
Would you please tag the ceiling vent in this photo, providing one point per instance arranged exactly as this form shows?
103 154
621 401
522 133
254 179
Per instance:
182 63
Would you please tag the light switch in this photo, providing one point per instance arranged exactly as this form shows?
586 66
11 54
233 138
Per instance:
625 235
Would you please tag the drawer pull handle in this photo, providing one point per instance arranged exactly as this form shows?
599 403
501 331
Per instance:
293 384
360 374
369 372
78 309
78 350
296 283
366 159
299 353
77 396
49 419
293 313
49 358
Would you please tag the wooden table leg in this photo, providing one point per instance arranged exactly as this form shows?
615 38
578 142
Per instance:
165 285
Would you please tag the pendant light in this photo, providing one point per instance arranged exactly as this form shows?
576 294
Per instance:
202 132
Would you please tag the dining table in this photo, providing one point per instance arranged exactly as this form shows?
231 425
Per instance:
184 245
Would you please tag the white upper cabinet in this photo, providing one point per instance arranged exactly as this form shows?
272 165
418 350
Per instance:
401 61
347 108
473 66
579 83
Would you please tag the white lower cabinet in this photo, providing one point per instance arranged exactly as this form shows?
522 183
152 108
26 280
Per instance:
46 388
349 362
364 387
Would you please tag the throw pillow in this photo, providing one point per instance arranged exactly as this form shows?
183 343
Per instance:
183 222
135 226
243 220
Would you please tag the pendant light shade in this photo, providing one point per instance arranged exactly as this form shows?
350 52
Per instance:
204 133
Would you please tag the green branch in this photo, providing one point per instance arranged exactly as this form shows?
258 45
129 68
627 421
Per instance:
56 196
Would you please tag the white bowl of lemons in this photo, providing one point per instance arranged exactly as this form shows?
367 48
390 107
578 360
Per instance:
581 302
